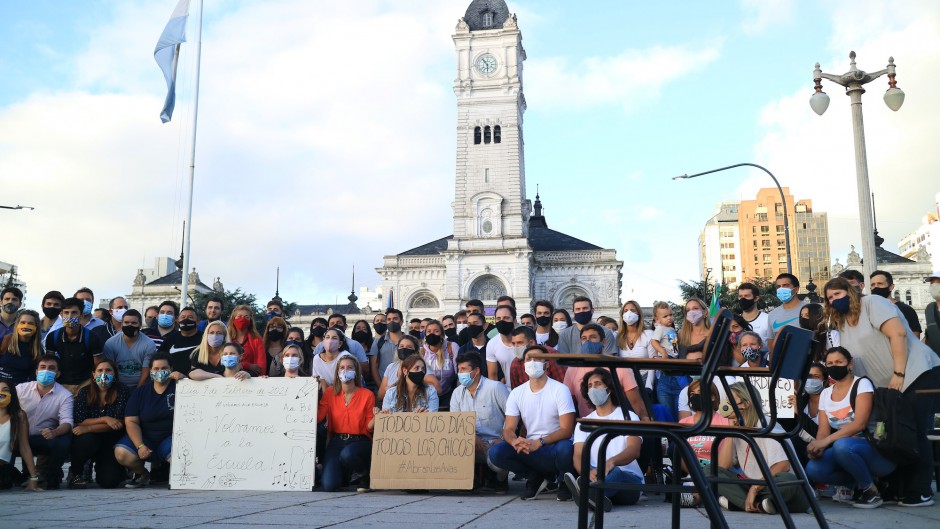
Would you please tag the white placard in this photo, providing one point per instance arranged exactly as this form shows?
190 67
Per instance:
782 394
255 434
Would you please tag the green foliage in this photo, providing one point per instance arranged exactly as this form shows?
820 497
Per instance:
233 298
729 296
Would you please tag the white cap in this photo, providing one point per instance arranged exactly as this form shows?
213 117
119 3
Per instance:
935 275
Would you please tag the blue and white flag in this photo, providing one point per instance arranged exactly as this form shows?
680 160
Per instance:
167 54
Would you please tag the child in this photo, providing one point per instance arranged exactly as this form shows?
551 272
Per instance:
665 338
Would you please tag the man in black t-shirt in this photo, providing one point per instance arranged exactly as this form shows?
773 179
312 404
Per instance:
181 343
882 284
77 347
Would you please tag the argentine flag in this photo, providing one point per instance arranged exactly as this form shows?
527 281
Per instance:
167 54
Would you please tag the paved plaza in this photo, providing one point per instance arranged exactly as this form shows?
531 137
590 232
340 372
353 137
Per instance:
157 507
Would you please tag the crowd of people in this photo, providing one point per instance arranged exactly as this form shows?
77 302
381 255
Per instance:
95 389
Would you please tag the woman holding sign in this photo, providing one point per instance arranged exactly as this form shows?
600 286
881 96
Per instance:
350 413
411 393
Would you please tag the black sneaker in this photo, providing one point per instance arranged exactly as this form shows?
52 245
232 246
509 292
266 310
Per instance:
494 485
575 491
534 487
138 481
77 481
363 485
868 499
917 501
562 493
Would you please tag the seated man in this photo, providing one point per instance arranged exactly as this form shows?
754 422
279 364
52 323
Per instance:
48 406
545 408
522 337
488 399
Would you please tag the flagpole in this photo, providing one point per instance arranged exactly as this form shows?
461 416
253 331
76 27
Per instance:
192 168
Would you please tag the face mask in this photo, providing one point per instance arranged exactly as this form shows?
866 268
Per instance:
465 379
241 323
118 314
416 377
277 336
695 402
733 337
746 304
331 346
535 368
460 327
51 312
416 333
841 305
86 309
317 332
474 330
805 323
215 340
560 325
359 336
884 292
813 386
584 318
751 355
347 375
598 396
187 325
505 327
270 315
130 330
165 321
292 363
451 334
695 316
151 322
9 308
45 378
518 351
630 317
5 398
160 376
230 361
25 330
404 353
837 372
70 322
433 339
298 343
784 294
104 380
592 348
380 328
394 326
935 291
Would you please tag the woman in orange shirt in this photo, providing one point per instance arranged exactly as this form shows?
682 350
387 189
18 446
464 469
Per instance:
241 330
350 412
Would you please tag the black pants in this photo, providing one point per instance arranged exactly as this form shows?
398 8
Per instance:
916 478
98 448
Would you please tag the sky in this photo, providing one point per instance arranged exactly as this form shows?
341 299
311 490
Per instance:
326 132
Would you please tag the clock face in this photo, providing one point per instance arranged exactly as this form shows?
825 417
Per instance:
486 64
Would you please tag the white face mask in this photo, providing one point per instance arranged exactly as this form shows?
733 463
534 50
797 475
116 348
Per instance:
630 317
518 351
118 314
460 327
560 325
535 369
935 291
291 363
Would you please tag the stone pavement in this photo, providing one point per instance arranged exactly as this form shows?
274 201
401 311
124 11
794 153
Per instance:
157 507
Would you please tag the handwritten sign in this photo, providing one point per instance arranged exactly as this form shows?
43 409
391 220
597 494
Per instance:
423 451
782 395
256 434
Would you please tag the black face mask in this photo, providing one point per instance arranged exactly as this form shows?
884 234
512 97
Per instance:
505 327
433 339
474 330
451 334
805 323
405 353
275 336
360 336
51 312
380 328
130 330
187 325
394 326
416 333
416 376
884 292
746 304
151 322
837 372
695 402
584 318
317 332
543 321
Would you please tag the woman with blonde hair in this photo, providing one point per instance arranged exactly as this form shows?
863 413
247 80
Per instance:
440 354
21 349
206 359
292 358
241 330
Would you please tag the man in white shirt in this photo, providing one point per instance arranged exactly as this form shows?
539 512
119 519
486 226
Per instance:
748 300
545 408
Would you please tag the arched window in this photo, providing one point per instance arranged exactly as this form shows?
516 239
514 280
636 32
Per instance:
497 134
487 19
486 134
487 288
476 136
424 300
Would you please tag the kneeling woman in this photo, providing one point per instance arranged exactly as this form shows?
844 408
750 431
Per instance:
149 422
350 412
755 498
411 393
621 466
99 423
840 454
230 360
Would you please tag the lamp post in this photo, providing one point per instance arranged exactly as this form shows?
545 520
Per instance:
853 80
17 207
783 199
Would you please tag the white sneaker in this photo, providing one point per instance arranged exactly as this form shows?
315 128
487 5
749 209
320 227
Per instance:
767 506
723 501
843 495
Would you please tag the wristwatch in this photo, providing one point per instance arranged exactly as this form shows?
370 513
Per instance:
542 440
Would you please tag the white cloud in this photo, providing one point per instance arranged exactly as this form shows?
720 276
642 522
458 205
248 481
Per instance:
759 14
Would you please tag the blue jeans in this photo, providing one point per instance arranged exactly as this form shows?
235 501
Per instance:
622 497
343 458
548 462
850 461
668 388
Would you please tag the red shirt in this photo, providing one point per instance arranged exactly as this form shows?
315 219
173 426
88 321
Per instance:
517 376
352 419
254 353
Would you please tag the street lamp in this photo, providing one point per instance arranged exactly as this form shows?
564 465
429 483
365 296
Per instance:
783 199
17 207
853 81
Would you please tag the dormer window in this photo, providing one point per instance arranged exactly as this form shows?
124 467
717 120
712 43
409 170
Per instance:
487 19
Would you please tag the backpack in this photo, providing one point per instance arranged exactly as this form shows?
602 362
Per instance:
895 435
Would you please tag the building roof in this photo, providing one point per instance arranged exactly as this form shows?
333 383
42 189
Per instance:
474 14
175 278
431 248
885 257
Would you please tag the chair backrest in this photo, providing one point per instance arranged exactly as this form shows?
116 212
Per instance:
714 345
792 351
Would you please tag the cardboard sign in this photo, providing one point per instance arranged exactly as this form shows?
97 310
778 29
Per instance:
782 394
424 451
255 434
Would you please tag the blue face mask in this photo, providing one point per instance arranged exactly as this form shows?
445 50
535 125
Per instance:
465 379
45 378
165 320
347 375
229 361
841 305
104 380
784 294
86 310
160 375
751 355
270 315
293 342
592 348
70 322
598 396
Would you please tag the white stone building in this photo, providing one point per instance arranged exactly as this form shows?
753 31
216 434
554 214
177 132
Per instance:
923 243
499 245
163 282
719 245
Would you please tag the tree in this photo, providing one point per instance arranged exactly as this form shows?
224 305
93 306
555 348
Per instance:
729 295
